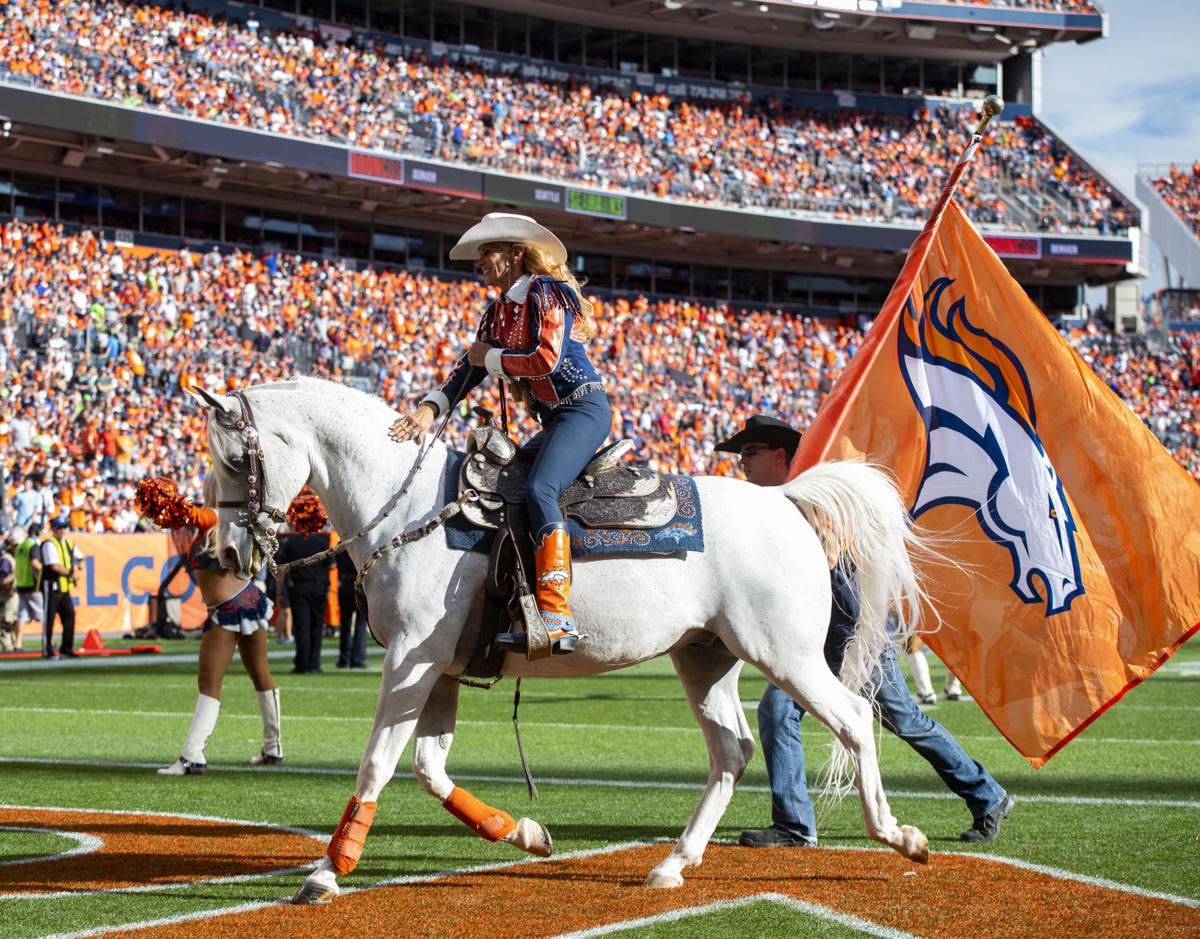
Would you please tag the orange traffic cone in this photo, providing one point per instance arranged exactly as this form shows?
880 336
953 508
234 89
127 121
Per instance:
92 642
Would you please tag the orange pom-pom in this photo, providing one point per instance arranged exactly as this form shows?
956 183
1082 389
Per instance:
159 500
156 497
306 512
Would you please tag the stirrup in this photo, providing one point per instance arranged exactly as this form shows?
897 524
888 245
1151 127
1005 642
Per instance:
263 758
561 642
183 767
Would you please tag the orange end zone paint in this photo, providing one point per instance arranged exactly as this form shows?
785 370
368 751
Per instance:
955 896
144 850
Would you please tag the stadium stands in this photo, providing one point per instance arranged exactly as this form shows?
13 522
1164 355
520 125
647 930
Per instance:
765 154
1056 6
95 343
1180 189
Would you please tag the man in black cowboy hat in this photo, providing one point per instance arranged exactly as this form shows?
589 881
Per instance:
766 446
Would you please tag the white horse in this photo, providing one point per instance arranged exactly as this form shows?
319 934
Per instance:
758 593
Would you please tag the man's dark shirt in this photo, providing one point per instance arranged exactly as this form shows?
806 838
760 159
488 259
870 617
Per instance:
312 578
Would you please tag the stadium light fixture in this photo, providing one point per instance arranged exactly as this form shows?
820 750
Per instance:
104 148
674 4
5 127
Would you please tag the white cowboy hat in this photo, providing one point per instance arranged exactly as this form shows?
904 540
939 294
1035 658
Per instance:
501 227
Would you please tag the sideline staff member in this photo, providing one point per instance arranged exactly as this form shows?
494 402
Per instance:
60 557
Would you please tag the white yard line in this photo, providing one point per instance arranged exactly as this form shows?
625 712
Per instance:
531 725
348 772
84 844
414 879
812 909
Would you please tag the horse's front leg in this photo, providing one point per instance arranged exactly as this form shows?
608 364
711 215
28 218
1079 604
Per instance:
403 692
435 734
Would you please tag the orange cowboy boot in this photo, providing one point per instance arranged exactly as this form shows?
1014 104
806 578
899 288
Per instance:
552 561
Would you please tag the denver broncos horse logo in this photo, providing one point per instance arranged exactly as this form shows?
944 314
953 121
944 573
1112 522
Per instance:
983 449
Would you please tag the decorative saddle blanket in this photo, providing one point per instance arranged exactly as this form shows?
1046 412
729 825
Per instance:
678 530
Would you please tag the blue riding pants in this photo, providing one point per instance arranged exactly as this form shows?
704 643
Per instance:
570 436
779 729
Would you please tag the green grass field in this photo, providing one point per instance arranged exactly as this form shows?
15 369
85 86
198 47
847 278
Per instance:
618 758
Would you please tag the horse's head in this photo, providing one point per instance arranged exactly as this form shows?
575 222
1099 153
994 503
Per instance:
256 472
983 449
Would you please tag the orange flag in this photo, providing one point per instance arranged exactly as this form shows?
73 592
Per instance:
1076 531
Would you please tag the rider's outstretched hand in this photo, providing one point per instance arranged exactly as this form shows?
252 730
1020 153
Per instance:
413 424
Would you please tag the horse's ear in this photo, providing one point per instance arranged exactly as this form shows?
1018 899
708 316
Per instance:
222 405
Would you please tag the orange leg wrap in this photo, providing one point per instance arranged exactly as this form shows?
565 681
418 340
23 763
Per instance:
346 847
481 818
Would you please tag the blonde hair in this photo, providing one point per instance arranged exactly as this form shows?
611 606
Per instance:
536 262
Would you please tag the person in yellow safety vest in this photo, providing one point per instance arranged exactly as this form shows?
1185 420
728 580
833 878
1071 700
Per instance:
28 561
59 560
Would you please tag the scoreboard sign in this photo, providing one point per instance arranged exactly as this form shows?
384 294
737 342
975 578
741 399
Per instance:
599 204
376 167
1014 246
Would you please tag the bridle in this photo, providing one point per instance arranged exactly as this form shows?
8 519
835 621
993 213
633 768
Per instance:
265 538
254 505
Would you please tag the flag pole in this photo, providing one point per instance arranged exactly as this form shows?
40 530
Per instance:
814 448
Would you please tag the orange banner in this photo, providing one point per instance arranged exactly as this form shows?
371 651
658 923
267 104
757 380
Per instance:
1075 530
120 574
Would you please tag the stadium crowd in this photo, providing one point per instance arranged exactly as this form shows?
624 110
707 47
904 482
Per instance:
770 154
1055 6
1180 189
97 343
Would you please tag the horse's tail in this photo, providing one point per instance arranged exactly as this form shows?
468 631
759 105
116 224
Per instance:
858 514
860 518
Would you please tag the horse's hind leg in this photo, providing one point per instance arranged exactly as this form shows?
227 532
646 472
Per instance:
850 719
435 734
710 679
403 689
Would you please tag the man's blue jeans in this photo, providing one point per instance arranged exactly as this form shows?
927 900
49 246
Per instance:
779 729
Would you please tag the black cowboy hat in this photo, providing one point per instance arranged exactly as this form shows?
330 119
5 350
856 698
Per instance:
762 428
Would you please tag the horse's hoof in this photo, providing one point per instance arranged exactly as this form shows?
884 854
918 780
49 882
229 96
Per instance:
662 880
913 844
315 893
531 837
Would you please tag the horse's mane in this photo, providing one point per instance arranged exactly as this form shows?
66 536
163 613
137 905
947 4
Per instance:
370 406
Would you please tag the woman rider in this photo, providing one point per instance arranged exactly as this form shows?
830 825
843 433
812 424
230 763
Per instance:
532 337
237 617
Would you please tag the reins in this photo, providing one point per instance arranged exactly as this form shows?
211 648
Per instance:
280 571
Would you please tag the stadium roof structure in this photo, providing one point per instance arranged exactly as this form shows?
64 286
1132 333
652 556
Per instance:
931 29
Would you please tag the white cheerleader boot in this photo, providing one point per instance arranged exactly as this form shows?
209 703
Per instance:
272 748
204 719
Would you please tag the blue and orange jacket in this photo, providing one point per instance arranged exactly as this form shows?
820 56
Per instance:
531 327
